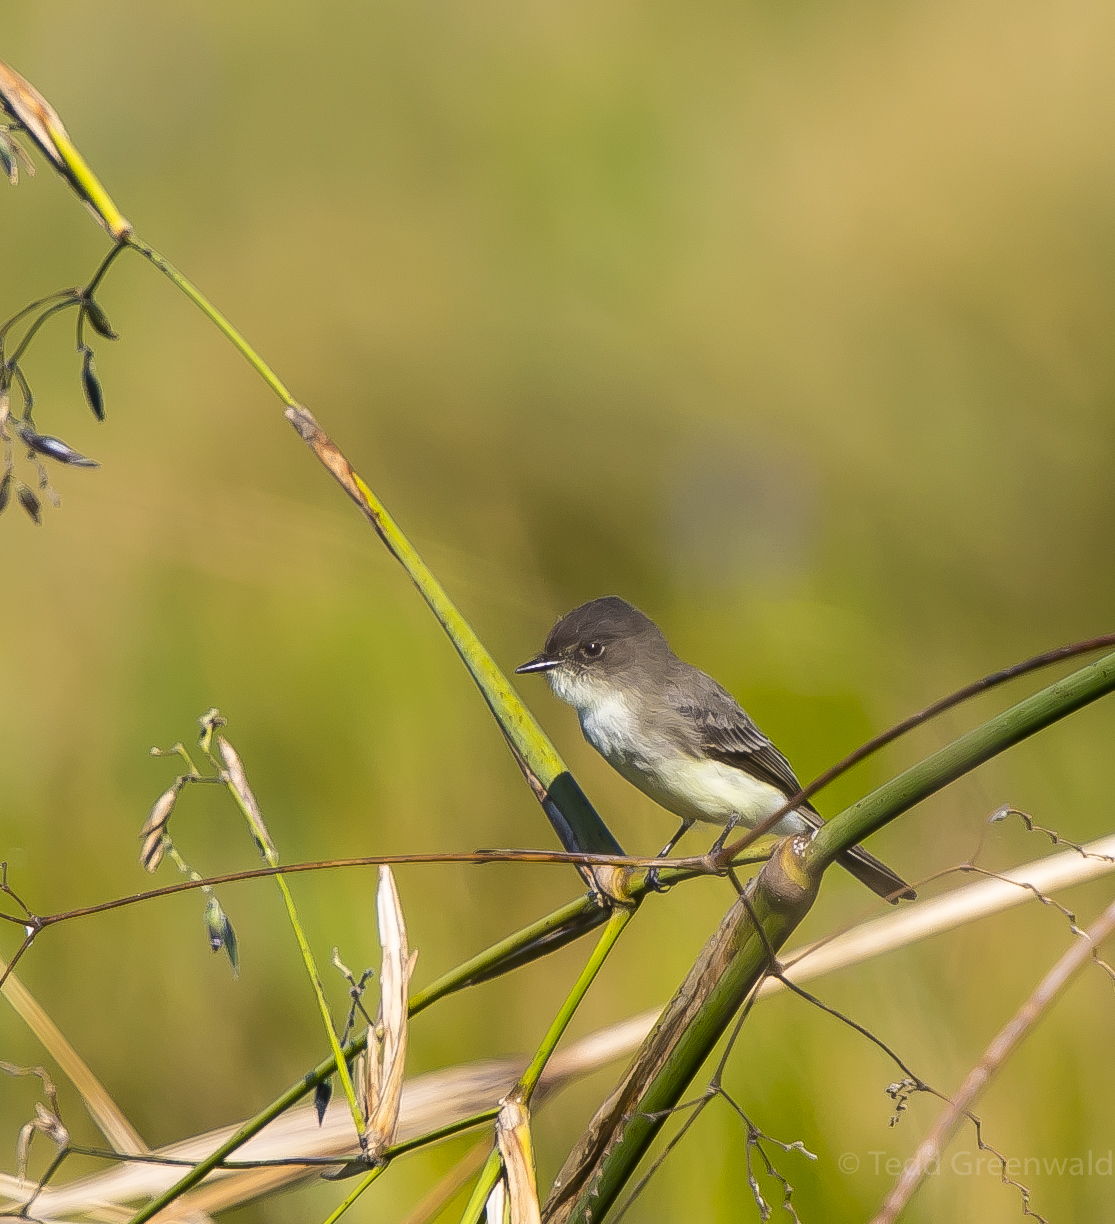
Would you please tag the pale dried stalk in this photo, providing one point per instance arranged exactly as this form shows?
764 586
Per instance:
1078 955
385 1060
428 1102
104 1111
517 1150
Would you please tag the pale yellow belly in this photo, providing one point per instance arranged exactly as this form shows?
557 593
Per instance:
709 791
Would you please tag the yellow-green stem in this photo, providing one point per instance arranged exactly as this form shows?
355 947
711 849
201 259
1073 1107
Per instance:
604 945
89 186
486 1183
362 1185
214 316
271 858
319 994
530 1077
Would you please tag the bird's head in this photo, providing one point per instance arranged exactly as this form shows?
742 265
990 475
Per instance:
590 649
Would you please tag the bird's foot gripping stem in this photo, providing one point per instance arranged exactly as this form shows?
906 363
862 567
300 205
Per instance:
652 874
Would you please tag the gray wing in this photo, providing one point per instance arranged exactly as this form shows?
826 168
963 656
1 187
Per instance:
726 732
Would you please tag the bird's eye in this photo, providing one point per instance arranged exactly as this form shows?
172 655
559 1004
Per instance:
593 650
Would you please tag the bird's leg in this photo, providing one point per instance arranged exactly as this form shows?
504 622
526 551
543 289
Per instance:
718 845
652 874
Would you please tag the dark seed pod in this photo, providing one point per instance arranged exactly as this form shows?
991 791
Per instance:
5 491
232 948
322 1095
220 932
55 448
7 159
91 385
30 503
98 320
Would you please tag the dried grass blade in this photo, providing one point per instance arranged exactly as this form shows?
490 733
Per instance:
387 1042
102 1108
513 1137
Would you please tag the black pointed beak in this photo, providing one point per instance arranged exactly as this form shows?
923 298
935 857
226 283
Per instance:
540 663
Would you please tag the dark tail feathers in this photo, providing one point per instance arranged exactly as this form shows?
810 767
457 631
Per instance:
877 876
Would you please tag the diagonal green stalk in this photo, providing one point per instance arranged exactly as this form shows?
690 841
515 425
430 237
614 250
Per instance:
323 1007
607 941
553 931
485 1184
566 805
738 956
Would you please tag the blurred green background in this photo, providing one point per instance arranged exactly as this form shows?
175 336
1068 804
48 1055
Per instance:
791 323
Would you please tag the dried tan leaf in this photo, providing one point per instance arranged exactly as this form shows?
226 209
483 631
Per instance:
513 1137
387 1040
102 1108
27 106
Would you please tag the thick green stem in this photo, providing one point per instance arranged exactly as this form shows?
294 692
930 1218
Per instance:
956 759
728 969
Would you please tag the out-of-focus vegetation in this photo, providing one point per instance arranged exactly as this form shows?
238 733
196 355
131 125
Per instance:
790 323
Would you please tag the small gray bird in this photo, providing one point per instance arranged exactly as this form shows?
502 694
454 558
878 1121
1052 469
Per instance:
673 732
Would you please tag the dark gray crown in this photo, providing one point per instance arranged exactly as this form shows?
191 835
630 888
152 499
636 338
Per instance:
607 619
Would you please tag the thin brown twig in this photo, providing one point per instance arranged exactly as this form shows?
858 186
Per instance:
996 1054
872 746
